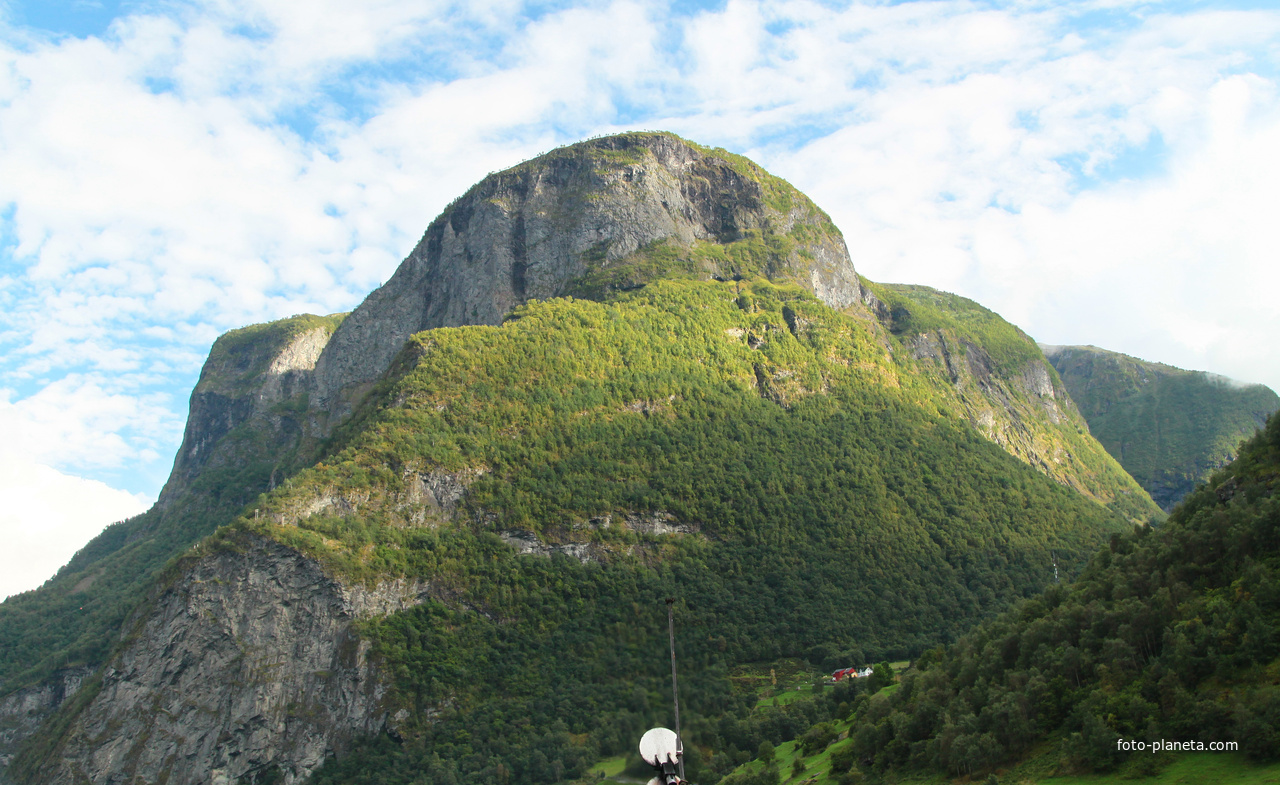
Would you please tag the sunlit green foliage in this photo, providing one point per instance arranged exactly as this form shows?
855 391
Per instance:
834 501
918 309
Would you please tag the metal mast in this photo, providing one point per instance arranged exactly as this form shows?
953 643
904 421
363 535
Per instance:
675 690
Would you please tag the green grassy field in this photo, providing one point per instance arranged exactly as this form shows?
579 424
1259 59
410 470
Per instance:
1185 769
609 768
1190 768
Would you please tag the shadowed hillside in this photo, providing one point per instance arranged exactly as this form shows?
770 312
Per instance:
1168 427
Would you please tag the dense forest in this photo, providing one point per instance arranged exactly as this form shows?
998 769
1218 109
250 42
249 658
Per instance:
1168 427
1170 633
819 506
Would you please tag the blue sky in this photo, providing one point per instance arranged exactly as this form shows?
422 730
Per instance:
1097 172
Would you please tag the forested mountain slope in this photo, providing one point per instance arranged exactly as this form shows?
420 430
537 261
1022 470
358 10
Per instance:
1169 634
459 540
1005 390
1168 427
537 488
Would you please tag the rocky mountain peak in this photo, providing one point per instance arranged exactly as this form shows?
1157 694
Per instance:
583 220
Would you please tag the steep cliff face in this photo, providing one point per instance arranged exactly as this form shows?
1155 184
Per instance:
248 420
22 711
1170 428
246 669
1009 392
591 218
252 398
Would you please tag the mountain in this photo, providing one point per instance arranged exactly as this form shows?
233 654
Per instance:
1169 634
244 433
433 535
1169 428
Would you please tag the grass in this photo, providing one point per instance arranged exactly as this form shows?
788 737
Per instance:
610 767
784 697
611 770
1188 769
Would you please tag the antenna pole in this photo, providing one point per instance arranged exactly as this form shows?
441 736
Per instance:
675 691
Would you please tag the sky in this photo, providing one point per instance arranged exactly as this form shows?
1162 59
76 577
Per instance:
1097 172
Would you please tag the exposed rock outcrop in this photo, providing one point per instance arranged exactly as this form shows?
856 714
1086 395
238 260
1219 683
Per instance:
248 664
248 383
649 525
543 228
22 711
1010 409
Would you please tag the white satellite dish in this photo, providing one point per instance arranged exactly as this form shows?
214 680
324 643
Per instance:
659 746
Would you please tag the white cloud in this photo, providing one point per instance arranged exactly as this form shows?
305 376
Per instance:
180 176
47 517
958 173
78 421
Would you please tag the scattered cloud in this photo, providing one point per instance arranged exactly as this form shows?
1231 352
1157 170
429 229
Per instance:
1096 172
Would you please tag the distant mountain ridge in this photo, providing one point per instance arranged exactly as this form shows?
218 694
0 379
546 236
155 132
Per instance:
631 364
1170 428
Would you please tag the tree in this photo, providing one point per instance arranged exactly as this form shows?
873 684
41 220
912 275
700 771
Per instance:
766 753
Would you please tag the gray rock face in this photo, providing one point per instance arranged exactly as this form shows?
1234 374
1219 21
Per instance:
244 383
248 663
1011 410
536 230
22 711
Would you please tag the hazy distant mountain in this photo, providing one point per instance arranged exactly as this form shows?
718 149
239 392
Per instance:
1168 427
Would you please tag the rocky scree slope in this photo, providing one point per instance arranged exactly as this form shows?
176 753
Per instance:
1168 427
262 413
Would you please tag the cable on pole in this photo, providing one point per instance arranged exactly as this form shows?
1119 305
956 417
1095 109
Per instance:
675 690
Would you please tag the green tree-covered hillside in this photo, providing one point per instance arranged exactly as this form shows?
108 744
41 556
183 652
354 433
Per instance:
998 379
1168 427
816 466
817 498
1168 634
